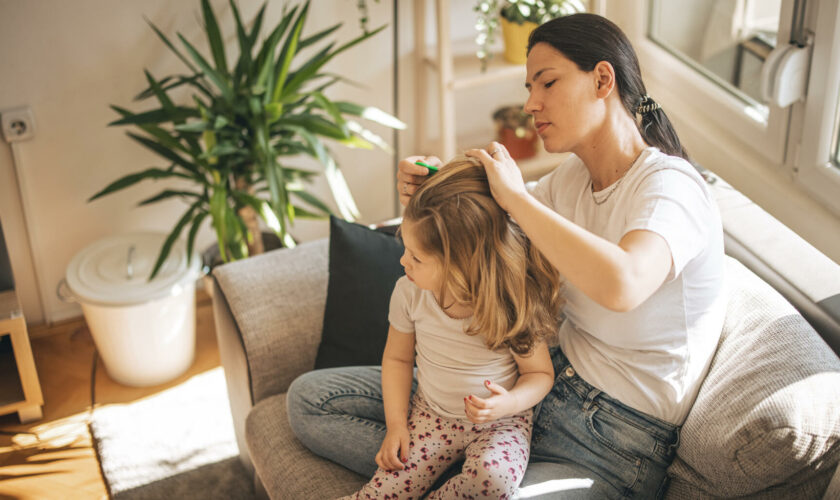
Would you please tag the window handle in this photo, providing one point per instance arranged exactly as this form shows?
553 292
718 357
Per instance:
784 75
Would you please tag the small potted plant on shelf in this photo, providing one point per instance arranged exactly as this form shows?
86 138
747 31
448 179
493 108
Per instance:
515 130
518 19
236 139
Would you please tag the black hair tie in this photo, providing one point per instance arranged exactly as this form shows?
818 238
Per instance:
646 105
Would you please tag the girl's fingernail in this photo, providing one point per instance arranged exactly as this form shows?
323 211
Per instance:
486 382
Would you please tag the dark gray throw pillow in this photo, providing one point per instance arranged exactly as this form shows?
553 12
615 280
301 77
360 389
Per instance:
364 266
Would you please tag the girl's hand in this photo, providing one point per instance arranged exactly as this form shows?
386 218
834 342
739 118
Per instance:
503 174
411 175
394 450
500 404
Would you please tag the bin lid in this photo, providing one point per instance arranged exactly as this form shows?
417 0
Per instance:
115 270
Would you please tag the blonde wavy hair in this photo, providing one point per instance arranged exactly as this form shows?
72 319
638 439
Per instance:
487 261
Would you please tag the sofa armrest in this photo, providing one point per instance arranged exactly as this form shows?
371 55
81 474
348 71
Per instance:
277 304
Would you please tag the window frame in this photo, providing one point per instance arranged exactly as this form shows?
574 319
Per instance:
775 186
709 98
813 147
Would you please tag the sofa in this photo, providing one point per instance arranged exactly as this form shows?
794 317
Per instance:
766 423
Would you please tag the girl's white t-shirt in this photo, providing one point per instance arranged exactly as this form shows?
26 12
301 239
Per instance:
654 357
451 365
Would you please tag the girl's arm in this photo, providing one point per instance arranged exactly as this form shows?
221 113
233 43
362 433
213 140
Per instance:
619 277
536 377
397 375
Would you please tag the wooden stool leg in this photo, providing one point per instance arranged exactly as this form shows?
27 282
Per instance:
30 414
31 409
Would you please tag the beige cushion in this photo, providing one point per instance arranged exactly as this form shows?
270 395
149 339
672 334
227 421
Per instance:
768 412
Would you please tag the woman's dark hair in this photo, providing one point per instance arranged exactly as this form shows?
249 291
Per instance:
586 39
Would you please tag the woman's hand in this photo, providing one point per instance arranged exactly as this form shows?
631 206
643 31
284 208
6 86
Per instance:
410 175
503 174
394 450
501 404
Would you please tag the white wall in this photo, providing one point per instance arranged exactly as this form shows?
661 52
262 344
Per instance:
69 60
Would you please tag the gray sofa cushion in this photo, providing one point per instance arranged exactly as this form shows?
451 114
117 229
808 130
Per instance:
287 469
768 412
277 300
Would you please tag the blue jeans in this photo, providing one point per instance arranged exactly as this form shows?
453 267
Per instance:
585 444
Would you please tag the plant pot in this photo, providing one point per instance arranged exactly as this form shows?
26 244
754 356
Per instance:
516 40
515 131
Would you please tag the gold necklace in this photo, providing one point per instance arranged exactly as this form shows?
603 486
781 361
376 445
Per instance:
614 186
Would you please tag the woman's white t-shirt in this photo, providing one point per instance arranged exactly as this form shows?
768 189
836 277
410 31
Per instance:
654 357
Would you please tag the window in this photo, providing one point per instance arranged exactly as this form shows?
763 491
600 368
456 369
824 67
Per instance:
754 87
725 42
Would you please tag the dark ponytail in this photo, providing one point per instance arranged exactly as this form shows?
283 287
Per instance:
587 39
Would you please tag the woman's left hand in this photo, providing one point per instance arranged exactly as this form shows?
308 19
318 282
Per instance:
482 410
503 174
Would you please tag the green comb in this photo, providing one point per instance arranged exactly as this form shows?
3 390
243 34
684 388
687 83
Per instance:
432 169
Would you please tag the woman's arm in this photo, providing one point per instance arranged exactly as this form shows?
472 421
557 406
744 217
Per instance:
536 377
619 277
397 375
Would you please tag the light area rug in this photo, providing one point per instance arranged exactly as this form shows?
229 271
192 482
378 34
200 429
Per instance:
178 443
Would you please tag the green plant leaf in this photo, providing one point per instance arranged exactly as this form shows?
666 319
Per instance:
214 37
370 113
209 72
304 73
244 60
193 126
172 47
164 99
156 116
168 194
308 70
265 58
287 53
368 138
303 213
218 206
162 135
163 151
317 37
328 106
131 179
312 200
196 225
257 26
338 185
315 124
165 85
275 179
173 236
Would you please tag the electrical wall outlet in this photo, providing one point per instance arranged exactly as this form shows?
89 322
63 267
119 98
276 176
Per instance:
18 124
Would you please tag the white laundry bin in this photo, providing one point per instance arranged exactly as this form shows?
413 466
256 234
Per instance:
144 330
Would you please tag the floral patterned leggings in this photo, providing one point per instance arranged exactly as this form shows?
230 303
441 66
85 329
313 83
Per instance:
495 456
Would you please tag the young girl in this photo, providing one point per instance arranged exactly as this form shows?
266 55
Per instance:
472 311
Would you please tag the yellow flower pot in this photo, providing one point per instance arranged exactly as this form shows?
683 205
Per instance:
516 40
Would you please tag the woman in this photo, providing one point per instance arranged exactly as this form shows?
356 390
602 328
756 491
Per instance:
636 235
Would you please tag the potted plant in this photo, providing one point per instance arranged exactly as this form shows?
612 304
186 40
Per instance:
515 130
518 19
235 142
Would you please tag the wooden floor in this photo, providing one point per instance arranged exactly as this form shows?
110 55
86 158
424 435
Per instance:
53 458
